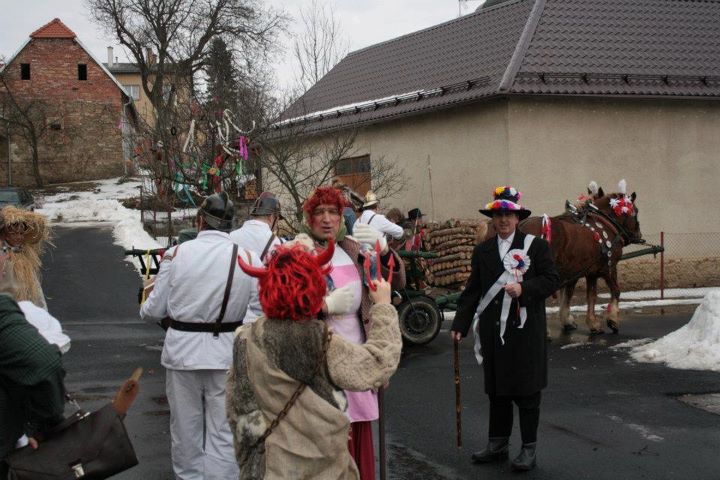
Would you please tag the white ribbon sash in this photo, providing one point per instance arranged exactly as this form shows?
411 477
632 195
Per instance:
502 280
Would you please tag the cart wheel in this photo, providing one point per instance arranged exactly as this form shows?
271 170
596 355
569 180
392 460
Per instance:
420 320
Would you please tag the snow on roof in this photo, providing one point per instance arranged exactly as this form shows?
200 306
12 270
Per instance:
360 106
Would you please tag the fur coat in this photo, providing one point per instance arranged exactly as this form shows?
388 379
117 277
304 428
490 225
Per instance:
270 359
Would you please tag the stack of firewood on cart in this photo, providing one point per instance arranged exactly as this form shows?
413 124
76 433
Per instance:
453 242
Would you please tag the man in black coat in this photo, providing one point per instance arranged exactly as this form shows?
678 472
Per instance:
512 275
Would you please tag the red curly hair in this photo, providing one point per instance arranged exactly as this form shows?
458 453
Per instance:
324 196
294 286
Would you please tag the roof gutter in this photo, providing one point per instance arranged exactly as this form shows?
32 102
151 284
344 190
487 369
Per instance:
521 48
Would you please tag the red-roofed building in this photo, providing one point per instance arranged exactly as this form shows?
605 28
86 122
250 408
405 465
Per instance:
82 113
53 29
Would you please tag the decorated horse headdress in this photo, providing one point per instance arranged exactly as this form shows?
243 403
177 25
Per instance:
292 286
622 204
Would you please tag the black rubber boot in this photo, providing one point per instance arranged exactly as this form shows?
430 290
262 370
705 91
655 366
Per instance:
526 459
496 451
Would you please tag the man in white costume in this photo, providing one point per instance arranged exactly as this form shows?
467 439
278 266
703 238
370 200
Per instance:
202 297
378 221
258 233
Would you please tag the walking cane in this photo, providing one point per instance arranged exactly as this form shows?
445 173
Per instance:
381 432
458 403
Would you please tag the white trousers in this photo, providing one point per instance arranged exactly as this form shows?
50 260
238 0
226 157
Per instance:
201 439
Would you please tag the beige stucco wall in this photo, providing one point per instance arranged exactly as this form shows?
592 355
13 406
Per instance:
669 152
550 148
463 146
143 106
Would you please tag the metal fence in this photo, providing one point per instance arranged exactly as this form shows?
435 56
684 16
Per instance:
691 261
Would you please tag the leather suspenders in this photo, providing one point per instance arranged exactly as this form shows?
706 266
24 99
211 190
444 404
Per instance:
267 247
218 326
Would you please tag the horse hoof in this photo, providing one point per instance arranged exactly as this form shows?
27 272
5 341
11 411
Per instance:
613 326
569 327
594 332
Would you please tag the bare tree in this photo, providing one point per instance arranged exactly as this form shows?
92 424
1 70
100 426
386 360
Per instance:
180 31
295 164
30 118
320 46
170 42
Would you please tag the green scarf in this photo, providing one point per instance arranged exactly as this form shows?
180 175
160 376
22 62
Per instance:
339 237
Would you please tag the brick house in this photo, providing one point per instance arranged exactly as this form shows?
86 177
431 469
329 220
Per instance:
83 116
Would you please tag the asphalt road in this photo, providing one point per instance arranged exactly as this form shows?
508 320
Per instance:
603 416
93 292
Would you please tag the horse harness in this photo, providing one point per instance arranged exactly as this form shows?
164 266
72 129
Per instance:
599 224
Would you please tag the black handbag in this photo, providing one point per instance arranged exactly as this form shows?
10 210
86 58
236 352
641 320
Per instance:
90 446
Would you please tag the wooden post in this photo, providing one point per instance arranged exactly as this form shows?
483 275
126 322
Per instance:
458 402
381 433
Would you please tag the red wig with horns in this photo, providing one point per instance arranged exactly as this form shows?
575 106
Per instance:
292 287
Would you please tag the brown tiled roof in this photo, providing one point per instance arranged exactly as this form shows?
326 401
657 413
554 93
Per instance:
475 48
624 47
54 29
561 47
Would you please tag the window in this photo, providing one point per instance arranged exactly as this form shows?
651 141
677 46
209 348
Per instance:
25 71
55 123
82 71
355 173
133 91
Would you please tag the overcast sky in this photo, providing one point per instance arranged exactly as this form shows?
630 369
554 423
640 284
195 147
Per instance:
364 22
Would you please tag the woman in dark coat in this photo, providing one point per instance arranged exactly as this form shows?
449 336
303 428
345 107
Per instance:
31 374
512 275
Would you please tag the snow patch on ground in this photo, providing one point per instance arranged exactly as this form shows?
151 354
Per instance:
642 430
694 346
573 345
669 293
634 304
632 343
645 432
102 206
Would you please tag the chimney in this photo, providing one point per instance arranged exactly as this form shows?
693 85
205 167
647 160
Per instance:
110 57
149 56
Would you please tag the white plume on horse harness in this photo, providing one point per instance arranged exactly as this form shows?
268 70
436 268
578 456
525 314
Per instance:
507 276
593 187
622 187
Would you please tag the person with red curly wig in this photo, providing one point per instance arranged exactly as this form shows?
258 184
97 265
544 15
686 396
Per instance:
347 305
286 404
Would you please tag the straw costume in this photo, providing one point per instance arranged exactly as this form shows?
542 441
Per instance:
33 233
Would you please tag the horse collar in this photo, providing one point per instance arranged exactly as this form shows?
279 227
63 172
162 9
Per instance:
626 238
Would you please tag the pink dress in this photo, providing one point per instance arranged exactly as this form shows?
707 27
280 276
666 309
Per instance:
362 406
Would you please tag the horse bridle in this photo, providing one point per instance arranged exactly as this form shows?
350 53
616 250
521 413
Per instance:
628 239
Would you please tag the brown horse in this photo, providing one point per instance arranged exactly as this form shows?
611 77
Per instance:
588 242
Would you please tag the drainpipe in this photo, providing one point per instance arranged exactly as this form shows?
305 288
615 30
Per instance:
9 158
122 131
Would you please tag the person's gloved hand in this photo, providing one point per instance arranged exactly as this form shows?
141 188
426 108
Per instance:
339 301
365 234
302 239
